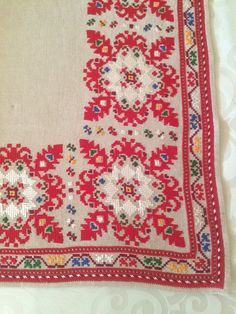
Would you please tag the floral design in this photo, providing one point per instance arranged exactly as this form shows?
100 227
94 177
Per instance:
130 192
125 198
132 10
28 193
130 78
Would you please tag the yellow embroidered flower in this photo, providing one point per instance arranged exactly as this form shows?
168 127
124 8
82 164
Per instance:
197 144
178 268
56 260
188 38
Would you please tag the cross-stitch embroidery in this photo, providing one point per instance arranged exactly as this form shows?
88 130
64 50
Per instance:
135 197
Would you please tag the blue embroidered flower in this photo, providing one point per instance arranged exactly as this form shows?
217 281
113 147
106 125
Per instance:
190 18
80 262
206 242
194 122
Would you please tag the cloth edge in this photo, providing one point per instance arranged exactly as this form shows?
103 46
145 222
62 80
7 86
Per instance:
217 143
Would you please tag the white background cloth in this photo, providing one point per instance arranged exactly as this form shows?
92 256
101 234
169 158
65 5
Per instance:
152 300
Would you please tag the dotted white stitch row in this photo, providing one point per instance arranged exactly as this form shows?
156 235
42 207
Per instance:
108 276
209 131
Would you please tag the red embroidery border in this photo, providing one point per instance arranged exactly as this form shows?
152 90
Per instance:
208 152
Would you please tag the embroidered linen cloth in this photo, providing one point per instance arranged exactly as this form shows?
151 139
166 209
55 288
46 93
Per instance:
117 178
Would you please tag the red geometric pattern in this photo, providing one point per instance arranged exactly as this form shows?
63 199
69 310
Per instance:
135 199
29 195
132 9
130 79
131 193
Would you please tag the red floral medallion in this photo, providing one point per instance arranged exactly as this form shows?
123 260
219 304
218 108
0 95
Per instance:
28 194
131 193
130 79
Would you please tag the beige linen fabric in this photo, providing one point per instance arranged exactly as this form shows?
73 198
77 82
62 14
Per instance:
44 52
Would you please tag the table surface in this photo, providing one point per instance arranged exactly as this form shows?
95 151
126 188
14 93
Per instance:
137 300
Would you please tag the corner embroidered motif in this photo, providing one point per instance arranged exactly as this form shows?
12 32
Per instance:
131 193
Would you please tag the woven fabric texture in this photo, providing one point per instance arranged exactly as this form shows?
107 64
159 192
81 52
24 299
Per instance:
111 172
